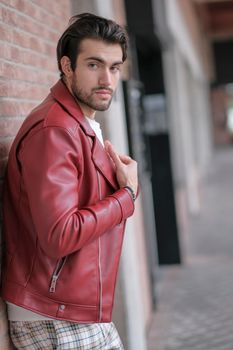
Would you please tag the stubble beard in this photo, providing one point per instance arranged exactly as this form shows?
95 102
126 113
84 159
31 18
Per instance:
88 99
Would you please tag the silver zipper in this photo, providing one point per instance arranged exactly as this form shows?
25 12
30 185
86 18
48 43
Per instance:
56 274
99 246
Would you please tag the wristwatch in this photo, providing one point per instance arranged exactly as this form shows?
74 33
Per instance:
131 191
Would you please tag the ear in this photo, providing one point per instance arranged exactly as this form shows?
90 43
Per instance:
66 66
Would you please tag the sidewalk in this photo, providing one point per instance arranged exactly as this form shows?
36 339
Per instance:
195 300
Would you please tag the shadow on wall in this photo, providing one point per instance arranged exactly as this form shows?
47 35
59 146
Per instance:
4 337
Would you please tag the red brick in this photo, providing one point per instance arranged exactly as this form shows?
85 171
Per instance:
27 57
27 24
35 59
10 70
5 145
5 50
41 14
41 46
1 15
8 16
9 3
17 36
16 108
19 89
15 54
19 55
24 39
21 5
52 7
29 31
6 33
9 126
21 39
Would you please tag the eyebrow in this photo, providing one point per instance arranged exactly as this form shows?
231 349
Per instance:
98 59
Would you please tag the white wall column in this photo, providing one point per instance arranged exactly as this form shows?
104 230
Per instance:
180 123
131 272
188 104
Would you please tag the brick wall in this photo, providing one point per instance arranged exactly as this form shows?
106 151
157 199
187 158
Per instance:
29 30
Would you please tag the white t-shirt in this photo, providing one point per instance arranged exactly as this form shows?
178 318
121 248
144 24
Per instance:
96 127
17 313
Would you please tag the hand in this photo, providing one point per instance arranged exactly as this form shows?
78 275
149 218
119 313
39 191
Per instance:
126 168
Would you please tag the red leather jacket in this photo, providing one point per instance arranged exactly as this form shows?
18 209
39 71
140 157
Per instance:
64 216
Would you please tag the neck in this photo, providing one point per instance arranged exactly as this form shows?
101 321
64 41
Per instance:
87 111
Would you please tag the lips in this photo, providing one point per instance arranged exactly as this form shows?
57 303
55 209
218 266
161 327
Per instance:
103 92
104 95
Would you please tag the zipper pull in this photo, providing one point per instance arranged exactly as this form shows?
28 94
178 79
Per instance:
53 284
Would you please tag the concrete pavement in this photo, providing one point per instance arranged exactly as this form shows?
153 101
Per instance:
195 300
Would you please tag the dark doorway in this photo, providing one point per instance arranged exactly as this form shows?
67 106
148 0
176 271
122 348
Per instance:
146 51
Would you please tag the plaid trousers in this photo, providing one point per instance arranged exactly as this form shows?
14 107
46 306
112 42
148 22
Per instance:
60 335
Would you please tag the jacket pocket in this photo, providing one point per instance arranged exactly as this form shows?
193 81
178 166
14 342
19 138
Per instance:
56 273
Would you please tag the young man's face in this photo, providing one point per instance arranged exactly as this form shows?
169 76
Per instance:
96 75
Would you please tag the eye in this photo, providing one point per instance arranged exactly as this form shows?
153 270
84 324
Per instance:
115 69
93 66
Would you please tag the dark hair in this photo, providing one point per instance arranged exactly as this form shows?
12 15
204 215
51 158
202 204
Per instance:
89 26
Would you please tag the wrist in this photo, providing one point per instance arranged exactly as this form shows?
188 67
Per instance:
131 191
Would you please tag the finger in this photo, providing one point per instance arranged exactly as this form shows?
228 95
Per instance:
107 144
125 159
113 154
120 157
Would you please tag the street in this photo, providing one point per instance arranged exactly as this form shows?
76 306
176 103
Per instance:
195 300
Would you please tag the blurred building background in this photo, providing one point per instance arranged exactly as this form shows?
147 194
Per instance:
173 108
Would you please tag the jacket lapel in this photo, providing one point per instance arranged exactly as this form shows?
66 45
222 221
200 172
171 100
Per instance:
104 164
100 157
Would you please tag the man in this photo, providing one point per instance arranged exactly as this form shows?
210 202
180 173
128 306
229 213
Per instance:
67 198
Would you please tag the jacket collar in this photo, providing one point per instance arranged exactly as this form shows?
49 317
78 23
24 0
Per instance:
100 157
63 96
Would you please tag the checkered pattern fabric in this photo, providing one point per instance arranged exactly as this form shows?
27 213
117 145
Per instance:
50 335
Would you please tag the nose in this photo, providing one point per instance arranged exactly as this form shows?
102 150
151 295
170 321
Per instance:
105 78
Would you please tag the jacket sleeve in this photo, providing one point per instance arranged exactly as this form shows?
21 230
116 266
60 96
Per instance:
50 163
